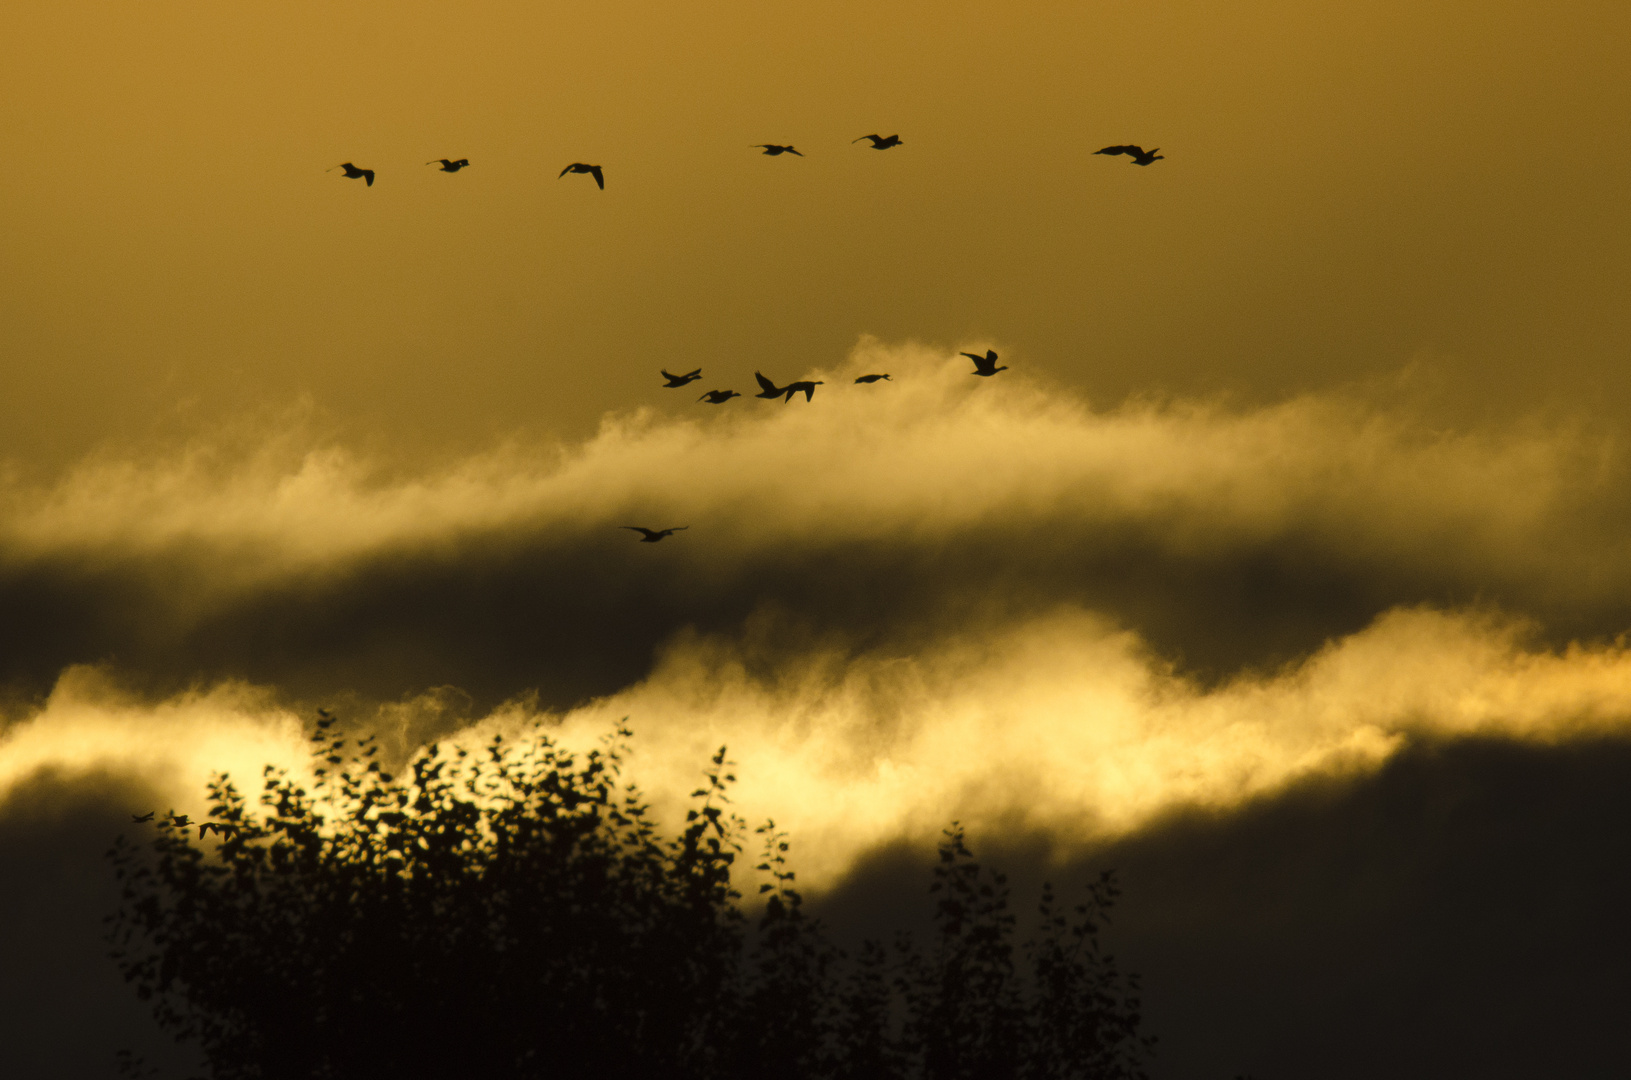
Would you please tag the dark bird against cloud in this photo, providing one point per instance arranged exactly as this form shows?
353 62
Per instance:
592 170
807 386
768 389
354 173
450 164
871 378
774 150
987 364
879 142
676 381
1139 155
718 397
651 536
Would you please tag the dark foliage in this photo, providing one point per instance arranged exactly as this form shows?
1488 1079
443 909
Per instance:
516 913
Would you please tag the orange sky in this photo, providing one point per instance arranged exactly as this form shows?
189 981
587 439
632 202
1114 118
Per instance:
1306 485
1349 188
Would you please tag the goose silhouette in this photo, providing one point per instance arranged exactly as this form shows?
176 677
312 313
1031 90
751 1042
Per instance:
651 536
718 397
592 170
354 173
985 365
881 143
872 378
768 389
676 381
774 150
1139 155
449 164
805 385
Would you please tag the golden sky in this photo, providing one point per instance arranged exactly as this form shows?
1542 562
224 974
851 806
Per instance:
1310 455
1349 188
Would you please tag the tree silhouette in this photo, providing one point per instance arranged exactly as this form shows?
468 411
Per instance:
516 912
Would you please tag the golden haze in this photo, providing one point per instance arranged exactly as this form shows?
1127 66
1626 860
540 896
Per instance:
1348 188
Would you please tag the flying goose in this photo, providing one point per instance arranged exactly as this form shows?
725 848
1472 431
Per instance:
651 536
985 365
354 173
1139 155
592 170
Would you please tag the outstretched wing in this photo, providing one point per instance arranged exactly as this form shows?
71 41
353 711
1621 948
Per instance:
766 385
566 170
874 138
599 179
368 177
976 357
648 533
1120 150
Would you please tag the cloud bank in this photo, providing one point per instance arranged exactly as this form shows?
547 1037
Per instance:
899 603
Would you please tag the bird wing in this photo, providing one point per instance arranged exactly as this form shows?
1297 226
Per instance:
566 170
795 153
872 137
599 179
368 177
1118 150
638 529
766 385
978 359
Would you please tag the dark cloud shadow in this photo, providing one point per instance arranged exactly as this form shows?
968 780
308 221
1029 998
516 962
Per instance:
64 1010
1460 912
572 615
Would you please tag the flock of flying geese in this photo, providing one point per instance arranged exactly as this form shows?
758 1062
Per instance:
983 365
1139 155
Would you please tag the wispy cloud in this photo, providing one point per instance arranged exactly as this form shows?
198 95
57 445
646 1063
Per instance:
938 595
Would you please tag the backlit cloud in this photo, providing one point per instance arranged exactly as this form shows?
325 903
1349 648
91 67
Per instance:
938 596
